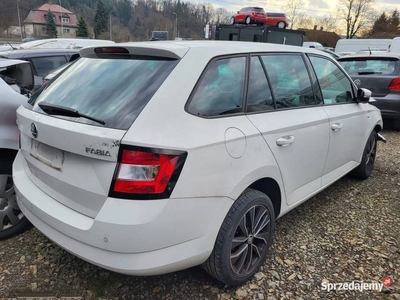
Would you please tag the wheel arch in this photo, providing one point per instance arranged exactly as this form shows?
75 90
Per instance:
271 188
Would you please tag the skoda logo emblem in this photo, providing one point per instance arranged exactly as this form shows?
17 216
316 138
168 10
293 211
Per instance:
357 81
34 130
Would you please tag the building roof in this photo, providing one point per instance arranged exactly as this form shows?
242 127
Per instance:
38 15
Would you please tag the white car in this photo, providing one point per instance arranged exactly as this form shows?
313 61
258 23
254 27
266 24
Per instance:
16 78
147 158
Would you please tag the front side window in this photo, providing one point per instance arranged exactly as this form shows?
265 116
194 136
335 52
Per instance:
43 65
335 86
220 90
113 90
289 79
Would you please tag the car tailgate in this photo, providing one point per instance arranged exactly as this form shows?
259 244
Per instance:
72 164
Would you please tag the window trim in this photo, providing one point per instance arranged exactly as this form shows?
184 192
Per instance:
244 96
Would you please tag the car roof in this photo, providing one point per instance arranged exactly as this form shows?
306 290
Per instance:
20 53
5 62
373 55
178 49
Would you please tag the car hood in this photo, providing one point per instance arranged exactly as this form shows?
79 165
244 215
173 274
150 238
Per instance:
20 70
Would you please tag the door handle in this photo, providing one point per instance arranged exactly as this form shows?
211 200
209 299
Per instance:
285 140
336 126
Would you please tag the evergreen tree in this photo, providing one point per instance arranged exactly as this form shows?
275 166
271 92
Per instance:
395 18
100 19
51 28
82 30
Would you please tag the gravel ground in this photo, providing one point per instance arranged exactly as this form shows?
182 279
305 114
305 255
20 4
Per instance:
349 232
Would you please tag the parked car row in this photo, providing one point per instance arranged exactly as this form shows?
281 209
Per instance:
129 175
257 15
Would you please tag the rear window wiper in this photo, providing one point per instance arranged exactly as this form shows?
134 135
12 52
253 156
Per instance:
54 109
368 73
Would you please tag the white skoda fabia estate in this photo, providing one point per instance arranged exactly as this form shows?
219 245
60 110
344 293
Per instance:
147 158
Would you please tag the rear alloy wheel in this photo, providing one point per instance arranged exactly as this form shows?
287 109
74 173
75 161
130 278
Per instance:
12 220
247 20
364 170
232 20
243 240
281 24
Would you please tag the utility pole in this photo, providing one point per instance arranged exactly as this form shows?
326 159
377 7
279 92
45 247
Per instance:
61 21
176 25
19 20
110 27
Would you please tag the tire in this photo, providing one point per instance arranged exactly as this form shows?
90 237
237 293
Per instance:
12 220
364 170
232 20
281 24
247 20
231 262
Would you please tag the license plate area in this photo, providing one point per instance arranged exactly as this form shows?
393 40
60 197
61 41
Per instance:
48 155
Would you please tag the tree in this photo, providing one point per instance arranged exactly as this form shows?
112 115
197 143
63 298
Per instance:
100 19
51 28
385 26
82 30
356 14
292 11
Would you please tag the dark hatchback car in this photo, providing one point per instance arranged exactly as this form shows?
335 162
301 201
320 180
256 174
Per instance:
43 60
379 73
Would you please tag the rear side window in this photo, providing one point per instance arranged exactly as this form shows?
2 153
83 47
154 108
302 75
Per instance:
289 79
220 90
335 86
43 65
370 65
110 89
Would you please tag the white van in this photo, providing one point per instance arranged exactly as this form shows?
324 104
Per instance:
395 47
313 45
352 46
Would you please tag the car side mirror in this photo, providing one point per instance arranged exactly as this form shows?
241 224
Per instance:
363 95
238 12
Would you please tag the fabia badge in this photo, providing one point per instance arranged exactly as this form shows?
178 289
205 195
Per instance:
34 130
357 81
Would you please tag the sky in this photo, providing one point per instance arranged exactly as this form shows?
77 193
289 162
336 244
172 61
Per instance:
312 7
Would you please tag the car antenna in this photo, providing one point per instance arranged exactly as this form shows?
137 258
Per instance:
11 45
370 52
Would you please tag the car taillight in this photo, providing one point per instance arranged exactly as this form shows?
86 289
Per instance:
111 50
146 173
394 85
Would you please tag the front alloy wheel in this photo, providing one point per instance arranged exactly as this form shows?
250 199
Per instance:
364 170
12 220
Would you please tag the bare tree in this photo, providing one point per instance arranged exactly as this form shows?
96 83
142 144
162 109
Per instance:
291 9
303 21
221 16
328 23
356 14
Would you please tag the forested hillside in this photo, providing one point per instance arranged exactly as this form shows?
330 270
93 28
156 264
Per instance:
131 20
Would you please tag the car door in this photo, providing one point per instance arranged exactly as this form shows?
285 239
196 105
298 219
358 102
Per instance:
292 122
348 119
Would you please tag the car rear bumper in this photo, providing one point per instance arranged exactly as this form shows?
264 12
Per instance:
146 237
389 106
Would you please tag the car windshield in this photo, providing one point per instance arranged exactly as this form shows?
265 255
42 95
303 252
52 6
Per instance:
110 89
378 65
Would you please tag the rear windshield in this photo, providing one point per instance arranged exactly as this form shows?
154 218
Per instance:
112 90
384 66
259 9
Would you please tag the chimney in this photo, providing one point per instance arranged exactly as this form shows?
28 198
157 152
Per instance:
315 27
322 28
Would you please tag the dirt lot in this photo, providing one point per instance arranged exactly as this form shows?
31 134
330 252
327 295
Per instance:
348 233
